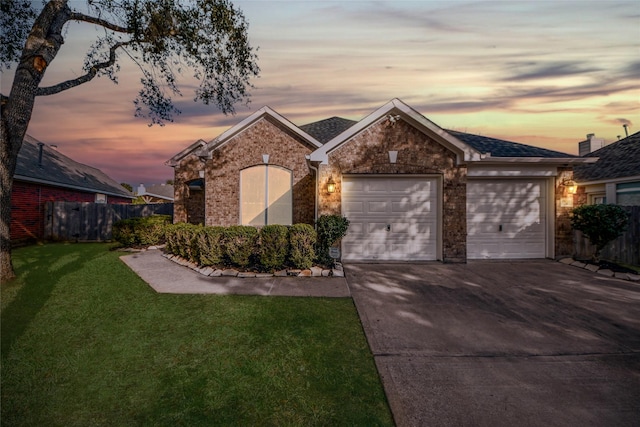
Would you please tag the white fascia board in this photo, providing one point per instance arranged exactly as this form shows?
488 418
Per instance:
237 129
408 114
619 180
513 170
184 153
543 160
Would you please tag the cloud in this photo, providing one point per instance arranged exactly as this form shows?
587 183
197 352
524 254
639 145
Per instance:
535 71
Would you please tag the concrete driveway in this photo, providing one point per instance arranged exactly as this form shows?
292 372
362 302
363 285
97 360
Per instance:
533 343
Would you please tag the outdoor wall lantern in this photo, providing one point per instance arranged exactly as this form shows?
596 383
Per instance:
393 156
331 186
570 185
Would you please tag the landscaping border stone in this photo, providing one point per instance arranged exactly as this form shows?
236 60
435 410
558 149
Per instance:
603 271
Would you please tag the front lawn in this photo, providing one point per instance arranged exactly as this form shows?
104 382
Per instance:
86 342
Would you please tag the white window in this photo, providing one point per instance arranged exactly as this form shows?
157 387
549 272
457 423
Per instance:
266 196
101 198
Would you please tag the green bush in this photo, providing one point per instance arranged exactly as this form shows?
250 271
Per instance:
330 229
180 240
600 223
124 232
274 246
141 231
240 244
302 240
209 242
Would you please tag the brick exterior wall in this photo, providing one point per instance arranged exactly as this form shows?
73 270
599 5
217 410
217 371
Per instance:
367 153
222 174
27 206
563 231
188 205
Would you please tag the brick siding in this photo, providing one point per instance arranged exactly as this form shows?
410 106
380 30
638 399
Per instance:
27 206
222 174
367 153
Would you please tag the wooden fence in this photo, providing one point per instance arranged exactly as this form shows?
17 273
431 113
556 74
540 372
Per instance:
625 249
80 221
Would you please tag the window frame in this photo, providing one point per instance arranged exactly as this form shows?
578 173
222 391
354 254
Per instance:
266 187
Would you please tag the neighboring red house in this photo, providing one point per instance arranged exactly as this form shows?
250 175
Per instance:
45 175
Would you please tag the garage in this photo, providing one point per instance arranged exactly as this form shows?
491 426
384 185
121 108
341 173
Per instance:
506 219
391 218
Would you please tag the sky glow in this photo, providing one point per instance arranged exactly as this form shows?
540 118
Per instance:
543 73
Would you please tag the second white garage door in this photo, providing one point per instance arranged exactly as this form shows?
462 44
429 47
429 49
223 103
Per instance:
506 219
391 218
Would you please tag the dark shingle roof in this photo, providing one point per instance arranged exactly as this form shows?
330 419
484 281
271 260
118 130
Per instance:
325 130
501 148
616 160
59 170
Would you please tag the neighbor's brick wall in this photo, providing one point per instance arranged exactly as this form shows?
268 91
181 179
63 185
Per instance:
28 201
367 153
222 180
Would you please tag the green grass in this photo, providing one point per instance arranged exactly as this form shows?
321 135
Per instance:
85 342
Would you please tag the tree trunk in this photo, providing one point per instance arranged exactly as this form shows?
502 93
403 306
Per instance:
41 47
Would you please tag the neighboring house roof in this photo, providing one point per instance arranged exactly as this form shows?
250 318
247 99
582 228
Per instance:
58 170
160 191
325 130
620 159
501 148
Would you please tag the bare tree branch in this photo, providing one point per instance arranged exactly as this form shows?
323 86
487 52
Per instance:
52 90
76 16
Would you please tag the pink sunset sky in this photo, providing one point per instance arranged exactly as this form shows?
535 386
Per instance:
544 73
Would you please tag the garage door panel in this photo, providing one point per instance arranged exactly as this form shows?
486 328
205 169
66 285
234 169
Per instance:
506 219
397 222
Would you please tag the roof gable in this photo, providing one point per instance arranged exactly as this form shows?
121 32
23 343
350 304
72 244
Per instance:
56 169
617 160
398 110
204 150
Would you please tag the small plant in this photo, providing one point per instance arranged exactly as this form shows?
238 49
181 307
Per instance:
240 244
302 238
600 224
330 228
274 246
209 242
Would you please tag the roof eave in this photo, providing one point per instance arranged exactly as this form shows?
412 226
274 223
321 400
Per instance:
548 160
70 186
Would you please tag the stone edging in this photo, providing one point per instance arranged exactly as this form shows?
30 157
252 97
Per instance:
603 271
338 271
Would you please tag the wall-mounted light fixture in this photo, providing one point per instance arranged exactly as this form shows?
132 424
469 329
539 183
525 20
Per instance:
265 159
331 186
570 185
393 156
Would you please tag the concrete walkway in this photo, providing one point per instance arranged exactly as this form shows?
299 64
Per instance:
166 276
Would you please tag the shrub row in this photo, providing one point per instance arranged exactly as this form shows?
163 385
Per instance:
144 231
268 248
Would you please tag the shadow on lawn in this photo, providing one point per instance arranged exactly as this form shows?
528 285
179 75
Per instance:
41 272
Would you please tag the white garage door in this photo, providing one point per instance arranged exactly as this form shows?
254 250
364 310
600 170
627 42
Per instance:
506 219
391 218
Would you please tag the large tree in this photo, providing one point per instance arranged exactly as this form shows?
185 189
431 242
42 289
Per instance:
165 38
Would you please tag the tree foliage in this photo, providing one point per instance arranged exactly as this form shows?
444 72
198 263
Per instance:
205 40
600 223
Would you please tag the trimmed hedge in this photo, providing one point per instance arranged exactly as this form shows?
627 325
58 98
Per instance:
273 246
209 241
141 231
240 243
302 238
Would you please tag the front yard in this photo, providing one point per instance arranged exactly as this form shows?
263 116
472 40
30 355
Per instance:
86 342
